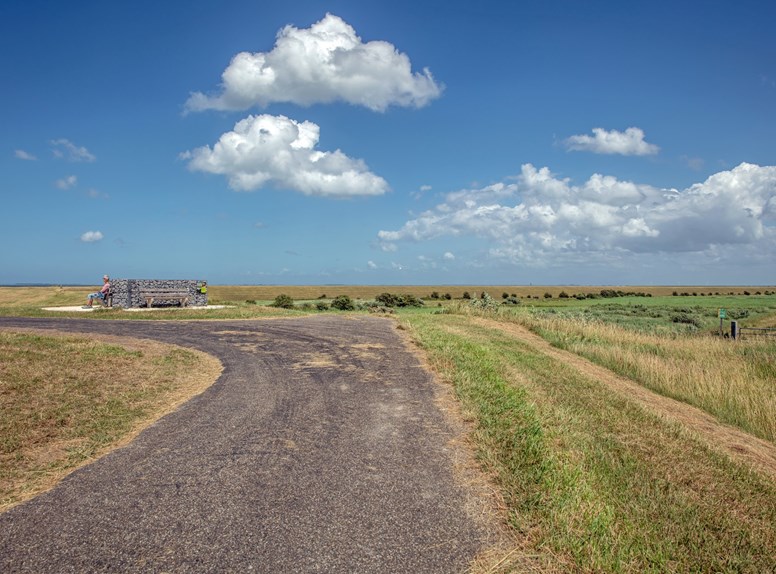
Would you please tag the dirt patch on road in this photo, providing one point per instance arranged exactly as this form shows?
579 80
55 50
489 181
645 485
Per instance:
739 445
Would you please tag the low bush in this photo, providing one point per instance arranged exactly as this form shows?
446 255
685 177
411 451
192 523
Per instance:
394 300
343 303
485 302
283 301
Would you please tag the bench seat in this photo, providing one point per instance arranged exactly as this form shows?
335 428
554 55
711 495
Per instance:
151 295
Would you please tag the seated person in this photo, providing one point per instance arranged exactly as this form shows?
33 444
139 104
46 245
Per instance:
101 294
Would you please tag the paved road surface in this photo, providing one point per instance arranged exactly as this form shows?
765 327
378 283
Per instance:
319 449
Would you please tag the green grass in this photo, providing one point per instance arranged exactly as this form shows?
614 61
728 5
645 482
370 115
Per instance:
591 478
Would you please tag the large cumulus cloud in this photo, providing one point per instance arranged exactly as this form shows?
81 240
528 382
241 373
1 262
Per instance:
266 149
324 63
541 217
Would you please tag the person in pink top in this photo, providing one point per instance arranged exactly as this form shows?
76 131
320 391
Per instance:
101 294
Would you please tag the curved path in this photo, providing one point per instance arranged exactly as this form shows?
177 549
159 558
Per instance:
319 449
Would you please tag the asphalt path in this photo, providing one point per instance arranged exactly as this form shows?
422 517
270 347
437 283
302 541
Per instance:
319 449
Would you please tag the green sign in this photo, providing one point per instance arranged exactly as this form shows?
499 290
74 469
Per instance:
723 313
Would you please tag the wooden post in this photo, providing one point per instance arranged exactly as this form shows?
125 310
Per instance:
734 330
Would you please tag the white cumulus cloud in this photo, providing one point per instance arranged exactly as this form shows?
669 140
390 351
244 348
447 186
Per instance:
265 149
541 219
629 142
324 63
91 236
371 264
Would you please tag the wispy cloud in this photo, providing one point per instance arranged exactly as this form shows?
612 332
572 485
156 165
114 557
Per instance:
65 149
275 150
694 163
325 63
629 142
21 154
97 194
68 182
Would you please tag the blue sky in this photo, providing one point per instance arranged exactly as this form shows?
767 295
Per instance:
396 142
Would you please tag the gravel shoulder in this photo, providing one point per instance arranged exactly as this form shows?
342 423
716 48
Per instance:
319 449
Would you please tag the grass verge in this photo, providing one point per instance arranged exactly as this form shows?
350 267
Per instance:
590 478
66 400
733 380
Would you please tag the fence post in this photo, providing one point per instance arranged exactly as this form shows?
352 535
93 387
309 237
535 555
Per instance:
734 330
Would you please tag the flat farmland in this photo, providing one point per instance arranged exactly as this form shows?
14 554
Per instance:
310 292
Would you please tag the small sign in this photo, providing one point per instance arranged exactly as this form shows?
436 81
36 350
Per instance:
723 313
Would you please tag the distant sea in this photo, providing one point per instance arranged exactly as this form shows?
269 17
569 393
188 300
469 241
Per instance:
42 285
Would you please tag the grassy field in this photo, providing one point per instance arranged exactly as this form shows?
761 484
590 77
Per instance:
593 481
592 478
65 400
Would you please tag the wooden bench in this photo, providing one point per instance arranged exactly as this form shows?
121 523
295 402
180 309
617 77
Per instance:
151 295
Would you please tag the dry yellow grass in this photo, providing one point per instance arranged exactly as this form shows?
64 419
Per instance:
69 399
735 381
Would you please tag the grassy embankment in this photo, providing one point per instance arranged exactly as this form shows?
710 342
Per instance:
65 400
592 480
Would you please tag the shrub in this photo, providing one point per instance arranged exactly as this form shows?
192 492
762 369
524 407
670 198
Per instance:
393 300
485 302
409 301
343 303
511 301
505 295
434 295
563 295
548 295
321 306
283 301
250 301
448 297
466 295
387 299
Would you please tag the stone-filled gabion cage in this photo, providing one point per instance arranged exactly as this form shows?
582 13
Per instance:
128 292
